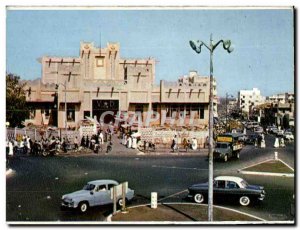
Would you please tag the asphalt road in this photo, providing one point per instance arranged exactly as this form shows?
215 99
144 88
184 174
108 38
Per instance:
35 189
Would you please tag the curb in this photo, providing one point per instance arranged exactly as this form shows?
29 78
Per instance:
267 173
109 218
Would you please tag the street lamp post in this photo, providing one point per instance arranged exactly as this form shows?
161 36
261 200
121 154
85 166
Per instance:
196 46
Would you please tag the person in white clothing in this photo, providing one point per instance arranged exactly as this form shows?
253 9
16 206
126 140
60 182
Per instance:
129 142
101 138
194 143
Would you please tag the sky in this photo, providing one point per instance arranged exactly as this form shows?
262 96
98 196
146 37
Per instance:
263 55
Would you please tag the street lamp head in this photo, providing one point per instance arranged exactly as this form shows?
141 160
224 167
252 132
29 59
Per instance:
227 46
230 49
196 46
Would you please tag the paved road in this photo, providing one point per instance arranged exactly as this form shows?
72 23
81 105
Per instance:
34 191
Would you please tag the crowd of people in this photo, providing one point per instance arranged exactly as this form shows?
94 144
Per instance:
23 145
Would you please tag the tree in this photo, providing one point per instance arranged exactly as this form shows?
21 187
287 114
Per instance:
16 109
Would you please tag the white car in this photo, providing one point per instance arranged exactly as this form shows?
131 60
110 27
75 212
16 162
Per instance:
258 129
94 193
288 136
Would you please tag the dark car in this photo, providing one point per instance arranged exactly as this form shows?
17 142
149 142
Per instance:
228 188
250 139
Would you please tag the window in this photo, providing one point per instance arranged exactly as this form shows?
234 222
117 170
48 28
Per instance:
99 61
89 187
101 188
110 186
71 112
125 75
221 184
232 185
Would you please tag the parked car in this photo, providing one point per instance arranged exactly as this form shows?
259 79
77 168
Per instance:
258 129
279 133
94 193
273 130
288 136
270 128
228 188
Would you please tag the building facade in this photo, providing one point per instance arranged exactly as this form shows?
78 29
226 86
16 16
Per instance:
281 98
99 83
248 99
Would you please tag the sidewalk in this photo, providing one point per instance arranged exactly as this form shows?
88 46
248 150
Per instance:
119 149
182 212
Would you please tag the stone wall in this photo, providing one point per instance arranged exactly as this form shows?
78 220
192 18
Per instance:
163 138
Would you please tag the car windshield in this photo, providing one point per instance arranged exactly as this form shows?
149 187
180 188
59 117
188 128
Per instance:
244 183
89 187
222 146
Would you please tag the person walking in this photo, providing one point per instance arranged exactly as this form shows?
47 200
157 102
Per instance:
76 143
174 143
100 138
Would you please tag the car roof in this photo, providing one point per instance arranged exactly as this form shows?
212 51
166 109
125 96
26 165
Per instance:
105 181
230 178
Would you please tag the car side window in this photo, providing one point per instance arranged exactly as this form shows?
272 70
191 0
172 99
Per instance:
101 188
110 186
221 184
231 185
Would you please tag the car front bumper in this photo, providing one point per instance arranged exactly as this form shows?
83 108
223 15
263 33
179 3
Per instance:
262 196
65 204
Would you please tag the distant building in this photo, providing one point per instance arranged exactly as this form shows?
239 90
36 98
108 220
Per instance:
281 98
248 99
100 80
193 79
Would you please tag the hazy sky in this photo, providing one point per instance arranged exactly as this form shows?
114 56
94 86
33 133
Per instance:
262 38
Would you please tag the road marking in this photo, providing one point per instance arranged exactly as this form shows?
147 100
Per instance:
173 195
286 164
174 167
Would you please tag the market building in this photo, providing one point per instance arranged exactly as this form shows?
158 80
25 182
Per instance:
99 83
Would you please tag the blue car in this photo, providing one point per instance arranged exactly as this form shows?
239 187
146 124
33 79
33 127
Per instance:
228 188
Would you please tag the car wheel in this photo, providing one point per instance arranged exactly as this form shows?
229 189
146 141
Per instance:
198 198
244 201
83 207
120 202
44 153
225 158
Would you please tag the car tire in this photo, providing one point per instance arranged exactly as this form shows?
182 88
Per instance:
226 158
199 198
120 202
83 207
44 153
244 201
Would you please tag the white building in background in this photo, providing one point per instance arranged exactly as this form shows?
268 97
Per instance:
281 98
247 99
